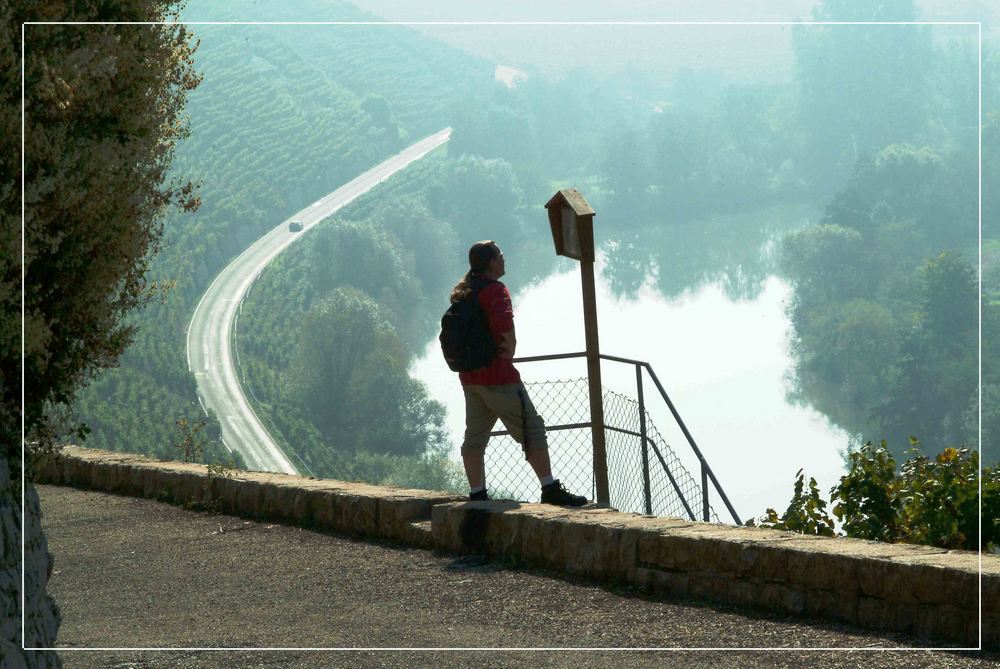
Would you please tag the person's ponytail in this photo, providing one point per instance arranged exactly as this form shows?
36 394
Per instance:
480 255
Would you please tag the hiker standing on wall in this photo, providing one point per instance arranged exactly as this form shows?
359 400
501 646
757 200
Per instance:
492 385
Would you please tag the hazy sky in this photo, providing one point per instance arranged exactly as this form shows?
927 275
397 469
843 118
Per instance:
741 52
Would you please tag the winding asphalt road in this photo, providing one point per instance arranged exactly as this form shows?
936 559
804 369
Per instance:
211 355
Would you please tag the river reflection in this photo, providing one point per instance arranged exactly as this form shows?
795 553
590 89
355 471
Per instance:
736 252
724 362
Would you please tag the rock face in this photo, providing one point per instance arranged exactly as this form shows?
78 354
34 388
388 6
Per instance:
42 615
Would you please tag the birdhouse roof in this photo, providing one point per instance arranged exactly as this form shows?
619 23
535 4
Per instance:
574 199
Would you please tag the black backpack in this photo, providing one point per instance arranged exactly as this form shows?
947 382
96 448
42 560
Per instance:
465 337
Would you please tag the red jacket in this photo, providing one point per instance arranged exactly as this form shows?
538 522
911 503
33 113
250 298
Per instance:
495 301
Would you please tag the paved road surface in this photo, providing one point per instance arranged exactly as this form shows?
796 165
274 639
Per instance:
137 573
209 351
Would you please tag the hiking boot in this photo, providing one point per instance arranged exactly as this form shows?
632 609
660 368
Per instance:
556 493
481 496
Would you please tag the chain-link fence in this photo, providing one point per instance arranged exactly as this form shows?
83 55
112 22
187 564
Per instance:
565 406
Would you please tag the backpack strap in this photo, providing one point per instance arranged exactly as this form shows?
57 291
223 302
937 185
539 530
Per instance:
480 282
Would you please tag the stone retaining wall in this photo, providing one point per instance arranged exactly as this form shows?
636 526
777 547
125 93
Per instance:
351 508
919 590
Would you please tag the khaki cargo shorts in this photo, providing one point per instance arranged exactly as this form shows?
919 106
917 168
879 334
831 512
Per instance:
511 404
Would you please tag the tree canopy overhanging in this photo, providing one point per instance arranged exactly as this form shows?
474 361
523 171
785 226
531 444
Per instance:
103 111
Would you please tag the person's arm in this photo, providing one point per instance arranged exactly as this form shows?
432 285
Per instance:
508 342
501 319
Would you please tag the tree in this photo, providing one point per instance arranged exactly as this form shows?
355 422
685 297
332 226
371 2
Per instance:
103 109
377 107
948 297
102 114
900 183
861 87
824 264
481 197
350 376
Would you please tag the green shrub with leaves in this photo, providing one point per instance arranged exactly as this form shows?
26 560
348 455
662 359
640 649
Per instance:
937 500
864 502
930 501
806 513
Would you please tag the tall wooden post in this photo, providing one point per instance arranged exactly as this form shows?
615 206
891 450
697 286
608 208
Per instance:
571 220
594 379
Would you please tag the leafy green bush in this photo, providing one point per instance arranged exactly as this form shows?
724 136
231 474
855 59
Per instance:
865 499
806 513
930 501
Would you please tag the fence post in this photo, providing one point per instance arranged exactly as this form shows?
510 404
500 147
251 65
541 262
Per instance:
642 440
704 491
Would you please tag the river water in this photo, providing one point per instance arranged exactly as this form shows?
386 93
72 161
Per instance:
723 362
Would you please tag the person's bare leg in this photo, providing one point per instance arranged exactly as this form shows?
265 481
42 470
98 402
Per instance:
475 468
538 458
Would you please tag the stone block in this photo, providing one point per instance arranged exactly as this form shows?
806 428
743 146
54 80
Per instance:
249 498
269 501
167 484
226 493
397 512
991 590
607 552
709 586
991 632
677 552
744 593
767 561
134 479
503 538
68 467
149 482
792 600
648 548
391 512
770 596
300 508
887 580
118 477
580 551
685 550
474 525
628 554
664 583
841 605
445 519
323 509
100 476
879 614
542 541
944 623
185 486
815 569
363 515
83 474
49 471
418 534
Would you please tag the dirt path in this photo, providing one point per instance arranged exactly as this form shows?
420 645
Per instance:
137 573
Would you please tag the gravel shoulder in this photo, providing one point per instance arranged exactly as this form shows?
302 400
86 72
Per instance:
135 573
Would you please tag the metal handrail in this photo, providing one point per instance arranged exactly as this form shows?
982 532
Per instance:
706 471
663 463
